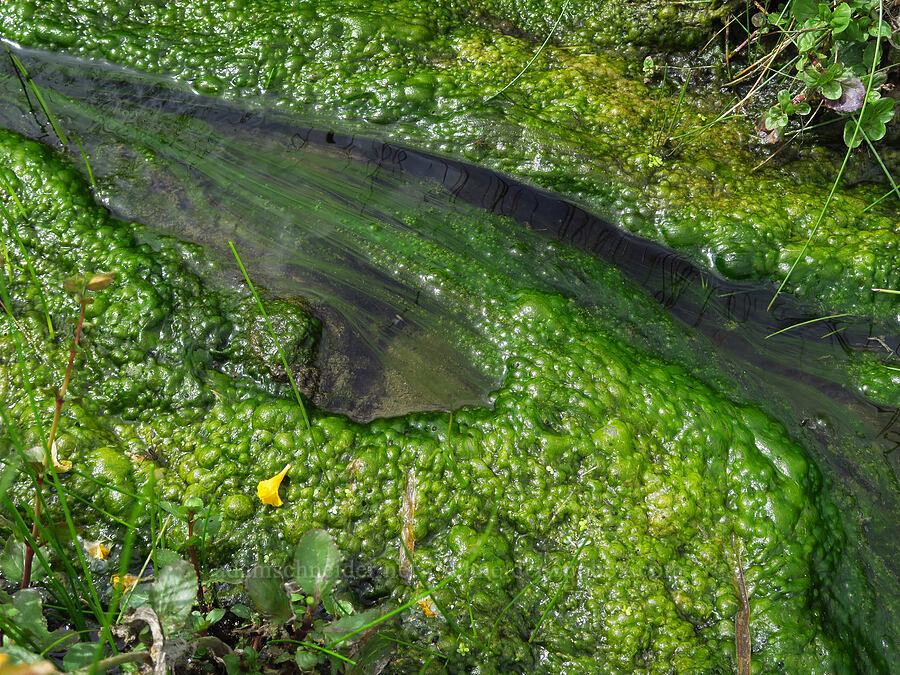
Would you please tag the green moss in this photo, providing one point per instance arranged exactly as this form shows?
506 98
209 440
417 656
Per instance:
579 120
877 377
593 444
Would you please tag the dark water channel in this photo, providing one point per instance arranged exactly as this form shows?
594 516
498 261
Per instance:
349 222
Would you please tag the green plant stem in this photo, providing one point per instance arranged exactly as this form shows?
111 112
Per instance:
117 660
60 134
312 645
196 563
894 188
805 323
60 399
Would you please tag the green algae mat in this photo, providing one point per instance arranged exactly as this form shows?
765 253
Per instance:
616 489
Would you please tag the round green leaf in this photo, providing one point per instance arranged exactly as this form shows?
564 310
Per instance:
305 659
832 90
79 656
265 586
173 594
840 18
317 563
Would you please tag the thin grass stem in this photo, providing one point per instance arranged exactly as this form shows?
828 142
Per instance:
265 315
837 180
806 323
60 134
533 58
558 591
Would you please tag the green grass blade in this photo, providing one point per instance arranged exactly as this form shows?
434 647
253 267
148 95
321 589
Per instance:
87 164
60 134
272 334
558 590
317 648
533 58
806 323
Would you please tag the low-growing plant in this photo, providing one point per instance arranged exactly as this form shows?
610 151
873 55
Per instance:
838 51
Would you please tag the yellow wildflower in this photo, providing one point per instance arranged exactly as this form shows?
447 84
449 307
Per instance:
36 668
61 465
428 608
267 490
97 550
126 583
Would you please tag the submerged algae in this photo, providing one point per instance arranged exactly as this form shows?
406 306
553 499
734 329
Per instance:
577 121
660 485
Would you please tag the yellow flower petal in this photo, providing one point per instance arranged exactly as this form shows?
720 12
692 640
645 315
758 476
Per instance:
97 550
428 608
36 668
61 465
124 583
267 490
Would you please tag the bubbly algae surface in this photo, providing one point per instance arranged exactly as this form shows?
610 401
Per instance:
618 481
580 120
626 476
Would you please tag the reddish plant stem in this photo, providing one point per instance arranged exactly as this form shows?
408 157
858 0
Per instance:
193 551
60 399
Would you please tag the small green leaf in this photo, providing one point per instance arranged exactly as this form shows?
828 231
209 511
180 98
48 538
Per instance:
232 664
214 615
849 128
12 562
840 18
317 563
138 597
376 651
173 594
349 624
242 611
176 510
190 541
884 30
211 525
832 90
874 129
804 10
165 557
79 656
883 109
24 610
872 56
305 659
265 586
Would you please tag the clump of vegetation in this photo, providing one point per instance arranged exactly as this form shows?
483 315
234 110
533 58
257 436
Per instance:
163 618
839 50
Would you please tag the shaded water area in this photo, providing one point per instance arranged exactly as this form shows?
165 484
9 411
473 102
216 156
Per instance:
353 225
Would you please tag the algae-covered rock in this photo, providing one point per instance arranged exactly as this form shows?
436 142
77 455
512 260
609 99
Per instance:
595 518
